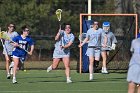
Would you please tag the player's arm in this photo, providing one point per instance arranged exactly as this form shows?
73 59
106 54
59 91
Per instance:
67 45
85 40
57 37
70 42
14 42
31 50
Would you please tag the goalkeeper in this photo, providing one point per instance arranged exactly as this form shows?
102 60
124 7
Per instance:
111 41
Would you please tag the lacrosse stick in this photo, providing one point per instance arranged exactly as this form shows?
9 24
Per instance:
4 35
4 47
58 14
83 36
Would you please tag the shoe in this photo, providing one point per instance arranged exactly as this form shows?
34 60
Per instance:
91 77
69 81
8 76
14 81
49 68
104 72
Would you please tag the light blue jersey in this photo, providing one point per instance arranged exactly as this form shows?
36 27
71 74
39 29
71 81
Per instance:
111 39
134 65
64 40
8 46
95 37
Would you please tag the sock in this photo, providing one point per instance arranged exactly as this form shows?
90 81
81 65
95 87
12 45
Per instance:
14 77
68 78
50 67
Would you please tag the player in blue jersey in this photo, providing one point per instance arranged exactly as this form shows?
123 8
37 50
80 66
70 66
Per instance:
94 37
133 75
21 44
111 41
64 40
8 47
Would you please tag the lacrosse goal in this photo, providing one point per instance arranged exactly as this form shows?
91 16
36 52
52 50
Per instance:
125 28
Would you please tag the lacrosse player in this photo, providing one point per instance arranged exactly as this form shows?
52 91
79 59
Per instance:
21 44
8 47
133 75
64 40
111 41
94 36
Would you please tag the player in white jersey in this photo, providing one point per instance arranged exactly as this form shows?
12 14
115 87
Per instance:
133 75
94 37
8 47
111 41
64 40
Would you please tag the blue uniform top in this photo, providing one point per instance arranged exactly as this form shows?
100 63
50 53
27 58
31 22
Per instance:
23 43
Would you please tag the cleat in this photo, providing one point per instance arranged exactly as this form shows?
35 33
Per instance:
69 81
91 77
8 76
49 68
14 81
104 72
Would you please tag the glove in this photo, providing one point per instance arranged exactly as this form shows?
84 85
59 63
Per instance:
113 46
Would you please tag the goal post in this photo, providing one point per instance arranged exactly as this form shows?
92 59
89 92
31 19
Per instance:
104 15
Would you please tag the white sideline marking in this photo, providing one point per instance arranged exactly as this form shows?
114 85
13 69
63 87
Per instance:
64 91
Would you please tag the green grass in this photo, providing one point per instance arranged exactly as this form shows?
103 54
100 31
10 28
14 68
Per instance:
39 81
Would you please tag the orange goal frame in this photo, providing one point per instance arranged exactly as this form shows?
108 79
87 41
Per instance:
82 14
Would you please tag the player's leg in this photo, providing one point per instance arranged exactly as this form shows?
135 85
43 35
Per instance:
104 58
66 61
91 62
131 87
7 59
16 62
54 65
138 91
11 67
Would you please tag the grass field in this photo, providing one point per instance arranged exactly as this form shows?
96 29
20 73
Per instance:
39 81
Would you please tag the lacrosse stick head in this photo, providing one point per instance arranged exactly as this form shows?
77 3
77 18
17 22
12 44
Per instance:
4 35
58 14
106 26
82 37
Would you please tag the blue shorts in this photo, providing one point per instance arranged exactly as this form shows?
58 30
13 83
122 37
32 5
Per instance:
20 55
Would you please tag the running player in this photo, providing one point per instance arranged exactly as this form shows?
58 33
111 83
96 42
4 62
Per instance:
94 37
8 47
64 40
21 44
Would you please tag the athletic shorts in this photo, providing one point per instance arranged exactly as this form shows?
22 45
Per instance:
61 53
93 52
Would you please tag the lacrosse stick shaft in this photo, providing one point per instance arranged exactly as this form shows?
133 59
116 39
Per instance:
19 46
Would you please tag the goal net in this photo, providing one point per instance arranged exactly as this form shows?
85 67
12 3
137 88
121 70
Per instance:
124 27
